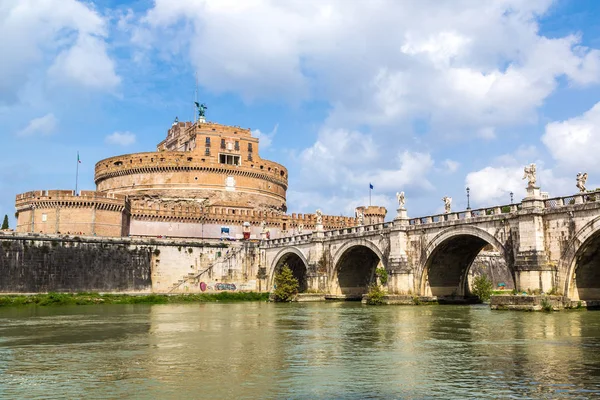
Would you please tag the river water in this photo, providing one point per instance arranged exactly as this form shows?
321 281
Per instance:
299 351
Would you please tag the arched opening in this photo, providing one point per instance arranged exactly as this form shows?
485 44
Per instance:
457 260
586 275
356 270
299 269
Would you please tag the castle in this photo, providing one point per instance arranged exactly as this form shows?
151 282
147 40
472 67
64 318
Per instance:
204 180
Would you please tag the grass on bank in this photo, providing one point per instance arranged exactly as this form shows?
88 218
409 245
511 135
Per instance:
52 299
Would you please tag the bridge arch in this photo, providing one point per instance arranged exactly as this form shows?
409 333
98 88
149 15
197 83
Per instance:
297 262
447 258
580 263
354 267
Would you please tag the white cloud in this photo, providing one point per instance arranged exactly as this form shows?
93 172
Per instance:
41 30
575 142
492 185
470 65
121 138
87 64
45 125
450 166
265 139
487 133
336 172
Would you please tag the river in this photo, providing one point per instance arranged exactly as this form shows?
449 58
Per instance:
299 351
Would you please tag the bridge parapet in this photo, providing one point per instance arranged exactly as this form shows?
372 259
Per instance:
466 214
580 198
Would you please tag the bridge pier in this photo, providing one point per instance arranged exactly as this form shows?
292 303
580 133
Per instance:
533 271
401 277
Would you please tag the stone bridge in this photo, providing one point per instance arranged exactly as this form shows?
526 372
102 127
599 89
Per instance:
547 244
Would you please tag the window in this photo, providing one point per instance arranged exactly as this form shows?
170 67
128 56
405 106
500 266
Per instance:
44 217
250 157
222 143
237 145
229 159
249 147
207 142
207 151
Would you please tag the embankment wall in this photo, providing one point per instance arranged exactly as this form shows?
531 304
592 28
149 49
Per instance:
34 263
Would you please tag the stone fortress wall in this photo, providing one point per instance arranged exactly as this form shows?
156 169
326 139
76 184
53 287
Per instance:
61 211
34 263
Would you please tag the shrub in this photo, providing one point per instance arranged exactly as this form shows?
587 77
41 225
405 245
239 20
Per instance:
546 306
375 295
286 285
5 222
382 275
482 287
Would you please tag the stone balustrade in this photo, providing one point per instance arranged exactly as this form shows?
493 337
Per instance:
579 198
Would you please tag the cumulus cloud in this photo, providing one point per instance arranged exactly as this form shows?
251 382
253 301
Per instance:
470 64
492 184
575 142
337 169
65 33
265 139
45 125
120 138
86 63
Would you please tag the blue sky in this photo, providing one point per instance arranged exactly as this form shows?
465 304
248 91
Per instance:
427 97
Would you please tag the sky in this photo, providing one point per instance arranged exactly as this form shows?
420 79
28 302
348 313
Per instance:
425 97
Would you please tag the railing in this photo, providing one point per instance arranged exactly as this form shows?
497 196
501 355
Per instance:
580 198
466 214
507 209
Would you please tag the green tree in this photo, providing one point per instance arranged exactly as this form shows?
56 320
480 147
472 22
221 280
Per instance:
5 222
482 287
286 285
375 295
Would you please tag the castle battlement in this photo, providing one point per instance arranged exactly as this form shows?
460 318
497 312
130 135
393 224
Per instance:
204 180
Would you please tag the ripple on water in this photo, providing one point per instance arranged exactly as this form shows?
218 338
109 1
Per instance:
326 350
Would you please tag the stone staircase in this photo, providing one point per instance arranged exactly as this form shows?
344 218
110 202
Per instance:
196 275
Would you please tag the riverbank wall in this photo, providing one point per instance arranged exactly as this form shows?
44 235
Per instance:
36 263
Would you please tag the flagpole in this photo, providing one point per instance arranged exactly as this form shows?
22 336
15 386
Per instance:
370 191
77 174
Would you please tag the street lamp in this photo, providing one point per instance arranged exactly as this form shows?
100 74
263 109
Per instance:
511 197
468 198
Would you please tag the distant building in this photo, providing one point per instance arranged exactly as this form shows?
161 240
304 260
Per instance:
204 180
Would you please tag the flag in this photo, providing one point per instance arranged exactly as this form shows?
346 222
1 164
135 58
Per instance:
370 186
78 160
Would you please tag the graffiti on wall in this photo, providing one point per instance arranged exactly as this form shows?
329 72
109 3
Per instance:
224 286
217 286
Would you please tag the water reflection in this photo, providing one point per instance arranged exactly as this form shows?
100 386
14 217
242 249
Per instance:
331 350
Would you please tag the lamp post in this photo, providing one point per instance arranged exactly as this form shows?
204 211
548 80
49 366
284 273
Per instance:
511 197
468 198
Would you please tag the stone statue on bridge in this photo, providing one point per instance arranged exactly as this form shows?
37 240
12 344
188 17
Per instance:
401 201
530 171
263 226
447 204
319 215
581 179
